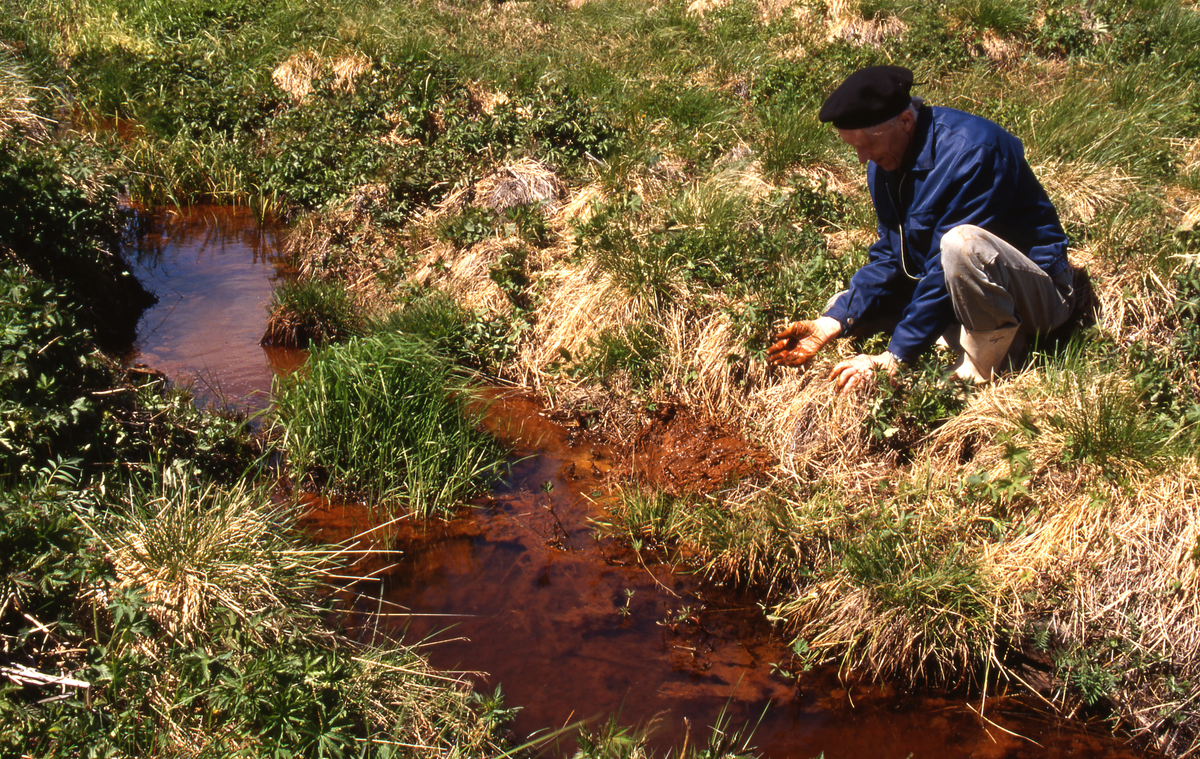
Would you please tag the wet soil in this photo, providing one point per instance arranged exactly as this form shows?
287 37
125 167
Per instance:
681 450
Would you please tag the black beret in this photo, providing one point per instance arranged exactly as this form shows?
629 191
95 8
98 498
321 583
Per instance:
869 97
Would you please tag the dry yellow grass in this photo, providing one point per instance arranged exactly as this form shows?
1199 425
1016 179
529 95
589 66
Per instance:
296 73
17 115
845 22
1081 191
195 548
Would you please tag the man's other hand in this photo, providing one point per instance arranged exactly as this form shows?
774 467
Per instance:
801 341
851 372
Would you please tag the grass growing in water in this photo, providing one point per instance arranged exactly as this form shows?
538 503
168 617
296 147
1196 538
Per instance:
310 312
386 417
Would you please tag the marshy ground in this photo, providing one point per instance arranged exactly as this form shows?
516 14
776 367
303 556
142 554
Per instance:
611 204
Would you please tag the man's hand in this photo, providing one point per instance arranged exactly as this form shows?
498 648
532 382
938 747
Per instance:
851 372
801 341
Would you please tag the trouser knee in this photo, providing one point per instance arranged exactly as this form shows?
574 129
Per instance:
963 253
977 289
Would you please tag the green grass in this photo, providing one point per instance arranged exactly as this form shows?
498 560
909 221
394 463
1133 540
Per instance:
1106 118
672 115
386 418
311 312
930 587
637 349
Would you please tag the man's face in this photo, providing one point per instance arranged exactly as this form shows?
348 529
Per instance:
885 144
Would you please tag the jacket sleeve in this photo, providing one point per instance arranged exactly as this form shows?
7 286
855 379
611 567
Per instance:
880 277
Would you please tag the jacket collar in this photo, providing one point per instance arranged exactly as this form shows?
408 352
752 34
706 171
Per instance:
922 146
920 149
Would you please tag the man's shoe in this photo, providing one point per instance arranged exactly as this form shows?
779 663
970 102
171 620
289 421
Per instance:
983 353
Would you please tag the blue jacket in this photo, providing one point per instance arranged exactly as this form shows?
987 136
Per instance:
965 170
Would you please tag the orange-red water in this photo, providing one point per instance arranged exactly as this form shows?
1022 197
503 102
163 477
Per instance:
520 590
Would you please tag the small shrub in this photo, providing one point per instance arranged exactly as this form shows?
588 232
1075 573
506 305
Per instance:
1066 31
509 274
531 225
51 228
568 126
47 556
49 369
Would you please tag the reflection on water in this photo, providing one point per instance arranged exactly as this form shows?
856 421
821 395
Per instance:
212 268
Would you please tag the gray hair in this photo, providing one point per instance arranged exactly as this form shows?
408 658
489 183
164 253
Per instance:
914 108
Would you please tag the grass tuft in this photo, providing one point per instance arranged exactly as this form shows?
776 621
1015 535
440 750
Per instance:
387 418
310 312
189 548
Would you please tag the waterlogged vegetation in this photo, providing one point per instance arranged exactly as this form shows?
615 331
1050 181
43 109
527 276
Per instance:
384 418
615 203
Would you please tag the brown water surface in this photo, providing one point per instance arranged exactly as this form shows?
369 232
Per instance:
213 269
520 590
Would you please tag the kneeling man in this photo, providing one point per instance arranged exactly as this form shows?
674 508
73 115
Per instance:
967 235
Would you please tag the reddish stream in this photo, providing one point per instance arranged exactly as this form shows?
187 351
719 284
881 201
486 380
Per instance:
521 591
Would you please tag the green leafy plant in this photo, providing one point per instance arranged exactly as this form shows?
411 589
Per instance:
469 226
1007 489
921 399
509 273
53 230
531 225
